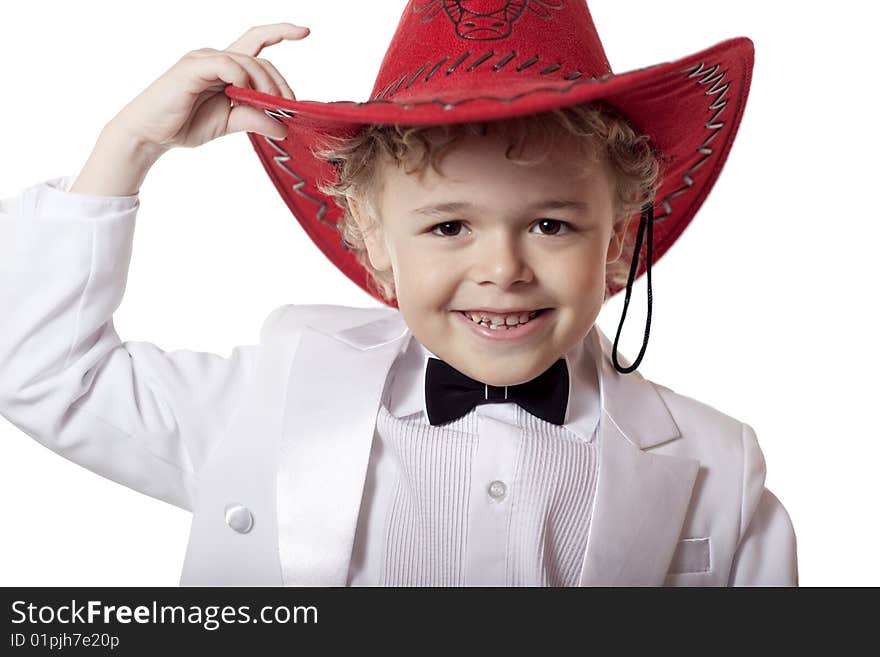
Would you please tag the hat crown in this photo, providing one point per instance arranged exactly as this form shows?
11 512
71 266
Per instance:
451 49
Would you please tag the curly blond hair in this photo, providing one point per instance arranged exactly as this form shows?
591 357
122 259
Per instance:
596 129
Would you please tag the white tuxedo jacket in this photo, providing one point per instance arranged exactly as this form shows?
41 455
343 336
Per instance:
269 447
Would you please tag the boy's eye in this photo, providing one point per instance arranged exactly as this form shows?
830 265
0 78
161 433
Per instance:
548 227
552 226
448 229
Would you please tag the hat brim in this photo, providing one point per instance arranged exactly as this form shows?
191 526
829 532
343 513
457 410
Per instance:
691 108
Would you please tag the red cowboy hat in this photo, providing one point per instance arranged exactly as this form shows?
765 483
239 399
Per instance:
453 61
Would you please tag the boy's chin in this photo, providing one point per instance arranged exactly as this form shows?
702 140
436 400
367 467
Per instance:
510 374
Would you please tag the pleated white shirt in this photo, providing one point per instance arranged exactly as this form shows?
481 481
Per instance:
498 497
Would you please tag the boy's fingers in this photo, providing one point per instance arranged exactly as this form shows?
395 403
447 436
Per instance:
257 38
262 80
286 91
208 70
245 118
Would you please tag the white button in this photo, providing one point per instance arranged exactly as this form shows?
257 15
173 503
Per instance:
497 489
239 518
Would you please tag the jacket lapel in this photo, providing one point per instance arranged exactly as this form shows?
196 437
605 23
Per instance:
642 497
333 395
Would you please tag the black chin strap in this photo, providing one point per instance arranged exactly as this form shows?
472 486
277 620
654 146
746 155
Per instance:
647 221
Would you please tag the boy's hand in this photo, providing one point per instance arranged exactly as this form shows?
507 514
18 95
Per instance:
186 106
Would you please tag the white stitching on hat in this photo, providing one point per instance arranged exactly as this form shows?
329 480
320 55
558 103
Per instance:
706 76
528 63
283 157
481 59
417 74
433 70
504 60
457 62
394 85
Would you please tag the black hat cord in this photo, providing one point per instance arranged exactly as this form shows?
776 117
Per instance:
646 222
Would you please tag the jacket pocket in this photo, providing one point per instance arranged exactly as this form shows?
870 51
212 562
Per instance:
692 555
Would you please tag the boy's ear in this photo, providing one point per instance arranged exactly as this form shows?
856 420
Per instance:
371 229
615 244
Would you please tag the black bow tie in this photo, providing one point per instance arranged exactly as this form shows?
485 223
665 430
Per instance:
449 394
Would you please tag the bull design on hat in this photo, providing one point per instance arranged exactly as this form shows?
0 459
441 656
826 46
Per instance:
485 20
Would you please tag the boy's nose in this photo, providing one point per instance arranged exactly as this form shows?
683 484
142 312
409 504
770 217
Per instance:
501 262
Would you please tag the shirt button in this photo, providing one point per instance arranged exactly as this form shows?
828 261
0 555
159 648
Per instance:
239 518
497 489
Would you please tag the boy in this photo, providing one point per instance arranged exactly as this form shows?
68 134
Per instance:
415 447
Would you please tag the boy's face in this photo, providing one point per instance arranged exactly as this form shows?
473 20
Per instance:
500 250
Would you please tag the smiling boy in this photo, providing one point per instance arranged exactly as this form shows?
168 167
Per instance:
480 431
500 240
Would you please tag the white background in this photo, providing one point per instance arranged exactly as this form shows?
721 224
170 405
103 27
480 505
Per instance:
763 308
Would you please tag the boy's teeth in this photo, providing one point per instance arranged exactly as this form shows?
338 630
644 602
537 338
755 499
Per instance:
497 321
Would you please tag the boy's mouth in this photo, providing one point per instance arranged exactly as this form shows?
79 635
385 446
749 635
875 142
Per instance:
497 320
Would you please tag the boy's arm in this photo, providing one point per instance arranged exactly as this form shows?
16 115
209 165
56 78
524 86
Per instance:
767 551
126 410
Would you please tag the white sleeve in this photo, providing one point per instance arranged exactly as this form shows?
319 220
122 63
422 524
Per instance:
128 411
766 554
